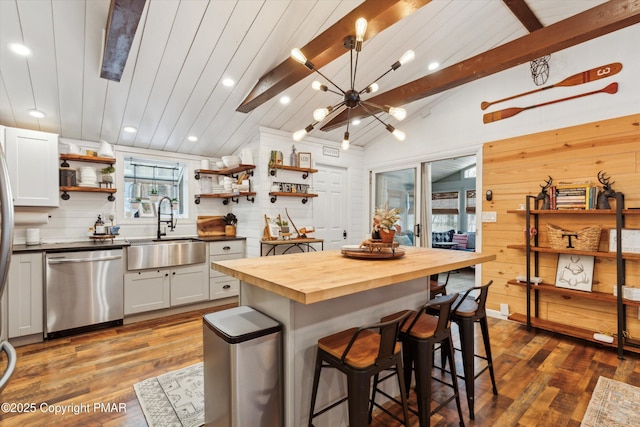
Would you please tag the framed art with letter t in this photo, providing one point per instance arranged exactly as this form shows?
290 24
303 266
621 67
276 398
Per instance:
304 160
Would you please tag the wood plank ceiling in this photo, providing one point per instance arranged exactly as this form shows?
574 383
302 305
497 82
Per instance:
172 87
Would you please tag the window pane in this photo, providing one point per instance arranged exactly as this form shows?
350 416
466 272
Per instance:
397 188
444 222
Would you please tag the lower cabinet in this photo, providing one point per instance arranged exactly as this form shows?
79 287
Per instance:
163 288
25 295
221 285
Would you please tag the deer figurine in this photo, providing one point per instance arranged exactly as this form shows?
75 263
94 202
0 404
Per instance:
544 196
606 192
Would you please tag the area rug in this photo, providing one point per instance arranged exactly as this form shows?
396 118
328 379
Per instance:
613 403
173 399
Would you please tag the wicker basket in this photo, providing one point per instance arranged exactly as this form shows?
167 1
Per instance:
588 239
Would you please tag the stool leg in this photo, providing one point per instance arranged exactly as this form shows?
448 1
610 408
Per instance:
407 361
314 392
423 364
403 397
467 343
358 398
448 345
373 395
487 348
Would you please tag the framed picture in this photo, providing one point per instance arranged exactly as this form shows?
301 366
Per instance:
575 272
147 209
304 160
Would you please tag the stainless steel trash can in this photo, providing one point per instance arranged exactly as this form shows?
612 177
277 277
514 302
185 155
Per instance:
242 369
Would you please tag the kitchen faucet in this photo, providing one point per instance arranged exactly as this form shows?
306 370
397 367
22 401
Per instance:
172 224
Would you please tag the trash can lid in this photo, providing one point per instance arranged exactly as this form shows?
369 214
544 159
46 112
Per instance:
240 324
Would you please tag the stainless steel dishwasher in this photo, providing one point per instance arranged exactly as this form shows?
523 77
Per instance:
83 290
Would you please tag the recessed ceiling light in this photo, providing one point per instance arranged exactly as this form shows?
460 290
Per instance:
228 82
284 100
355 122
20 49
130 129
192 138
36 113
433 66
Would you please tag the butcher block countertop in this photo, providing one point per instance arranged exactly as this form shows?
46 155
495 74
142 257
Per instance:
311 277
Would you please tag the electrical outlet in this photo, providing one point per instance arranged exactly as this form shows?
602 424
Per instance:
504 309
489 216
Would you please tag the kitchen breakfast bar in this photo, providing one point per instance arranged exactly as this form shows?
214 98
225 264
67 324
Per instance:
315 294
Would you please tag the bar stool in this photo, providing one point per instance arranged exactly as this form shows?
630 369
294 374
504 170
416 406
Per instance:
437 288
361 353
419 335
466 311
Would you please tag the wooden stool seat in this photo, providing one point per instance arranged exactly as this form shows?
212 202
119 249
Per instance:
465 307
364 351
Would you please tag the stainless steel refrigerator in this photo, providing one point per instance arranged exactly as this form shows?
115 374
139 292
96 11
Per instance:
6 242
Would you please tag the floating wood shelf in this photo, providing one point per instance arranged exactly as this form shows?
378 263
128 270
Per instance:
571 331
228 172
66 190
305 171
305 196
575 211
227 196
602 254
80 158
570 293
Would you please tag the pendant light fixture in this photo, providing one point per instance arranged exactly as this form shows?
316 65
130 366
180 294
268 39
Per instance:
351 97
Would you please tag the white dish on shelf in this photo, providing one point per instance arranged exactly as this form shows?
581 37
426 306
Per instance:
231 161
352 248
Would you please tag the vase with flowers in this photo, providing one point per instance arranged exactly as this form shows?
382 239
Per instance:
384 223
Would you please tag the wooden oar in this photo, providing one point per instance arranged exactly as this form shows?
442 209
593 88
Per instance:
510 112
577 79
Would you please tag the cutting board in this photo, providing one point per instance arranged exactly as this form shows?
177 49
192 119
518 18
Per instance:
210 226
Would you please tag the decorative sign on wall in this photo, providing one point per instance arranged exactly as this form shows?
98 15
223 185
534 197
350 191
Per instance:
330 151
304 160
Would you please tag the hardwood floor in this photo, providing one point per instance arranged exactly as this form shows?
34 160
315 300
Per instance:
543 379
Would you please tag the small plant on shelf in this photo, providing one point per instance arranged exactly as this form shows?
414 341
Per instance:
283 224
106 173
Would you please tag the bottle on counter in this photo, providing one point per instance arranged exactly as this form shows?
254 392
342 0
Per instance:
99 228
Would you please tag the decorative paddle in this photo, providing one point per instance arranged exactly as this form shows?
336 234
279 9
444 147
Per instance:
577 79
510 112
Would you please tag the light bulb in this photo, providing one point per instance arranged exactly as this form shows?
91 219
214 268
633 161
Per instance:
320 114
316 85
407 57
345 141
398 113
373 88
298 135
361 28
298 56
400 136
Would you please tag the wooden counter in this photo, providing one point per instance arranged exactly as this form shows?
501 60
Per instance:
314 294
318 276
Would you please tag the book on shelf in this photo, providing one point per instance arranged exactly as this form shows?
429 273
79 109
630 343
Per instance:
573 196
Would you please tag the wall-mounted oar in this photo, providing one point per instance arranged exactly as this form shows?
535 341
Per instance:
577 79
510 112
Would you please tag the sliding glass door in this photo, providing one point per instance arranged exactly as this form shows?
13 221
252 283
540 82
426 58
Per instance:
397 189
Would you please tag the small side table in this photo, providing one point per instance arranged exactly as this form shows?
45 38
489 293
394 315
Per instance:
291 243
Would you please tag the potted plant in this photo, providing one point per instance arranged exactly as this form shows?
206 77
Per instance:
135 203
384 223
153 195
174 203
231 221
106 173
283 224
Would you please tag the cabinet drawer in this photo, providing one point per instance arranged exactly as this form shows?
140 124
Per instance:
224 288
227 247
214 258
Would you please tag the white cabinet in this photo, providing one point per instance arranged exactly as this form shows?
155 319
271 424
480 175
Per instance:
25 295
146 290
189 285
221 285
163 288
32 160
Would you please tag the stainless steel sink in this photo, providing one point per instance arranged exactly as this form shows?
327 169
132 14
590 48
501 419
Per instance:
153 253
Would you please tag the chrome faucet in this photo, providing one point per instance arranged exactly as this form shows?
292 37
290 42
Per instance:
172 224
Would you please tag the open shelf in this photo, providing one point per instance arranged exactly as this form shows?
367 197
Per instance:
227 197
80 158
305 171
569 293
602 254
574 211
305 196
571 331
227 172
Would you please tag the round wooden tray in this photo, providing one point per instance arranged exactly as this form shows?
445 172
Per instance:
383 254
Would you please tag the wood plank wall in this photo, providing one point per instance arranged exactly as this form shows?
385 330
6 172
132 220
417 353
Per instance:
515 167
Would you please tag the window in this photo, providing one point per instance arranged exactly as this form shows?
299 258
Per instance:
470 173
147 181
444 210
470 209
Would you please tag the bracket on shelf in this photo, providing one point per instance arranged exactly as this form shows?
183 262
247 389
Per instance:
197 201
64 164
305 175
197 175
251 199
65 196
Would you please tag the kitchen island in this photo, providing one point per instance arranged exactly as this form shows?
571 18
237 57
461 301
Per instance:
315 294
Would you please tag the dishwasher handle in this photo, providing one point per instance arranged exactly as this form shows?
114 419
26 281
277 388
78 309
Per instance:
70 260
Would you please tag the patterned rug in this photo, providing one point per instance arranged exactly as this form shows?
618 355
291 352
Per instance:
613 403
173 399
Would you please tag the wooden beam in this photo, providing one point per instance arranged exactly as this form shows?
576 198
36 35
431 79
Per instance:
124 16
328 46
590 24
524 14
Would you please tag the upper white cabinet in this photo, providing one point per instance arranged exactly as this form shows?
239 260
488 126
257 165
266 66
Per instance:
32 160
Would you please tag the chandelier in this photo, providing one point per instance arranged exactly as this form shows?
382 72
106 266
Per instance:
351 98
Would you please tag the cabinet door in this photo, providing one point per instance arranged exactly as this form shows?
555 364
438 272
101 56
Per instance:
146 291
223 287
189 284
25 292
32 159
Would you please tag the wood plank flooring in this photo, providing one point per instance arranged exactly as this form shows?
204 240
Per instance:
543 379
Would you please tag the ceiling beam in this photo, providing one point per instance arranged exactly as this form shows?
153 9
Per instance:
124 16
380 14
524 14
590 24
